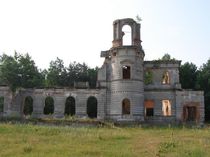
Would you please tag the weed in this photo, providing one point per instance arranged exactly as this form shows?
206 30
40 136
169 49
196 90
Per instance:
166 147
27 149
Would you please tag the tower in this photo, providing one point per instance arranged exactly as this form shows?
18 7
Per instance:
123 67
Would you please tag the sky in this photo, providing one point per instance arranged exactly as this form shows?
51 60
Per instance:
78 30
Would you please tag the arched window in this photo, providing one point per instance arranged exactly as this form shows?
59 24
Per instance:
126 106
126 30
92 107
49 106
70 106
166 78
28 106
126 70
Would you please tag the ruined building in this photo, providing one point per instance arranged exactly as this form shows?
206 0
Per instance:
128 89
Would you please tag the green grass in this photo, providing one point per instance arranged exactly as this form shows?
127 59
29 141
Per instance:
25 140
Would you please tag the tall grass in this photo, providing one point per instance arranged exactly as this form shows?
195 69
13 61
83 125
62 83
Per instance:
25 140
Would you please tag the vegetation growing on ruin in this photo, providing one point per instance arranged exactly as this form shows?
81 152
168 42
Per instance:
148 77
28 141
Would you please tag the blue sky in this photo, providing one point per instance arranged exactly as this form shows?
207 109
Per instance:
77 30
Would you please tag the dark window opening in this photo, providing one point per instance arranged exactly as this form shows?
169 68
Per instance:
92 107
126 106
149 108
149 112
190 113
1 104
126 72
28 106
70 106
49 106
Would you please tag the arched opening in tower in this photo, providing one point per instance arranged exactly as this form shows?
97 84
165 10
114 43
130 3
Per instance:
126 106
126 33
126 72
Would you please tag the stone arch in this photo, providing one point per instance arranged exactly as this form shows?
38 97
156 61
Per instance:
92 107
126 107
118 32
28 106
126 35
49 105
70 106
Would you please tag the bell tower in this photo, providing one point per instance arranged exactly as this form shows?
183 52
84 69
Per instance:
123 67
118 32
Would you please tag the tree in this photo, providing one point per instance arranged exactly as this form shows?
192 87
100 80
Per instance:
9 72
19 71
81 73
72 74
167 57
188 75
29 74
77 73
56 75
204 83
92 76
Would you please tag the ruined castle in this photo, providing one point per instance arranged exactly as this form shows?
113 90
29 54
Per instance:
128 89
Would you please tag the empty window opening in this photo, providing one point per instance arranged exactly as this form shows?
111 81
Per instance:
126 107
126 72
70 106
1 104
149 112
166 107
92 107
49 106
149 108
28 106
126 35
165 78
190 113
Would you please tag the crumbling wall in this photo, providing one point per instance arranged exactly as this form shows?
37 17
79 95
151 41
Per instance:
157 97
14 103
11 103
190 98
158 69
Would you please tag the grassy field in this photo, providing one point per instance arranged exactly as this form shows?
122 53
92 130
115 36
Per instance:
24 140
